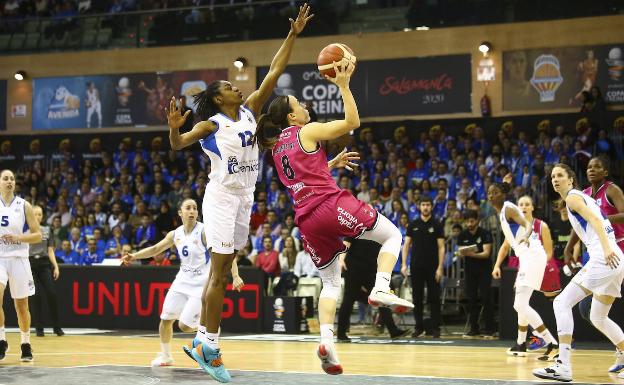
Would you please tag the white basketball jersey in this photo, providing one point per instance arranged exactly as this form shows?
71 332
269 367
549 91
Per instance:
13 221
514 232
192 253
233 158
92 97
586 232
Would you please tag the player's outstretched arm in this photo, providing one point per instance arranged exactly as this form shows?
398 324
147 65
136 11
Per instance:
175 120
151 251
258 98
312 133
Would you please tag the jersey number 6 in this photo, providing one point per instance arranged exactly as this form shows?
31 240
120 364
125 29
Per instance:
288 170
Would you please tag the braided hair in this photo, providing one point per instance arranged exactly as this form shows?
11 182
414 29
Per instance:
204 101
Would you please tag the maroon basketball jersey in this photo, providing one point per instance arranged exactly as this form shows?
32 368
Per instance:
600 196
305 174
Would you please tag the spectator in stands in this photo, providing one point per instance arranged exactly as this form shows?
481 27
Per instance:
66 255
268 261
99 239
58 232
425 236
91 255
160 260
114 244
78 244
62 211
164 221
475 245
287 258
145 234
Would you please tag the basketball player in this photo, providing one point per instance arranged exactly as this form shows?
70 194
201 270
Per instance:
183 300
93 104
225 134
610 199
601 277
532 244
15 214
324 213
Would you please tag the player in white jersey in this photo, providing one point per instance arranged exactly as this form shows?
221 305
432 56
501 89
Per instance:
225 133
94 105
601 277
517 224
15 214
183 300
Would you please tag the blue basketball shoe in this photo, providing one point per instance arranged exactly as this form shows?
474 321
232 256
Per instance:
535 343
189 348
210 360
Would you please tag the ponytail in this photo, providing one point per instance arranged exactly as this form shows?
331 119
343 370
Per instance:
271 124
204 102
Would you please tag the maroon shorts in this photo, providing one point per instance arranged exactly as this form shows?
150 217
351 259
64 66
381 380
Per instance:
551 281
338 217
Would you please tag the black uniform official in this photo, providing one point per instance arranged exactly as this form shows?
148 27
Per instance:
361 262
478 270
426 237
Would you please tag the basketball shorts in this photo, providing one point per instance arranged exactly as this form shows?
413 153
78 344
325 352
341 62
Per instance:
531 268
16 271
338 217
182 307
226 217
601 279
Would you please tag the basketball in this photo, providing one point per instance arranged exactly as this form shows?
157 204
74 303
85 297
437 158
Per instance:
336 52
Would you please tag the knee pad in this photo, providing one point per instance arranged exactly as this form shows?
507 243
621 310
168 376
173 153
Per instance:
392 245
386 234
598 314
585 308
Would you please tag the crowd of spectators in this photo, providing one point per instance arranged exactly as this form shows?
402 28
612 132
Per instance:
129 196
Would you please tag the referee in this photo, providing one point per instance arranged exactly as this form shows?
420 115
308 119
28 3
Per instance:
45 271
426 236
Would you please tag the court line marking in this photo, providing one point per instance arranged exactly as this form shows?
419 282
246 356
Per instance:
320 373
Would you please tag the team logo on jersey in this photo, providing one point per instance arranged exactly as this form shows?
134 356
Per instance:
599 201
232 165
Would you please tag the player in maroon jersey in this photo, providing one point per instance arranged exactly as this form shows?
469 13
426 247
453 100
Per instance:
324 213
610 199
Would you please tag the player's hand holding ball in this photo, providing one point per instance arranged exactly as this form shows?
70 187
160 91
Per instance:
336 61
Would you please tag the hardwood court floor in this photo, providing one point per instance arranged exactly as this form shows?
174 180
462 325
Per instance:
439 360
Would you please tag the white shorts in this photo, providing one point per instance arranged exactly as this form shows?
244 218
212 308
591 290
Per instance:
532 267
182 307
17 272
226 219
601 279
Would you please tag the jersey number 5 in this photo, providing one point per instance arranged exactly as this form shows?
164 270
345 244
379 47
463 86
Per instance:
288 170
4 221
246 138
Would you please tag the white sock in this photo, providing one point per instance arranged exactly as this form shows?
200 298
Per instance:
25 337
2 334
165 349
382 281
547 336
212 339
327 333
201 333
565 351
521 337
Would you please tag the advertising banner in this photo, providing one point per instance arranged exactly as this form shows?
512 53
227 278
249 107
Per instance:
112 297
411 86
547 78
114 100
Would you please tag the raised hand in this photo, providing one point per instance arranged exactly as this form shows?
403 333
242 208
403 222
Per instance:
296 26
346 159
175 119
343 70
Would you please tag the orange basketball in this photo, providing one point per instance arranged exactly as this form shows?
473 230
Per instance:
335 52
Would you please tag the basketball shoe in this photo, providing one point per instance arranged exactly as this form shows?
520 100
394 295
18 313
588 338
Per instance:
4 348
189 348
210 360
535 343
26 353
329 359
518 350
388 299
162 360
618 365
551 353
557 372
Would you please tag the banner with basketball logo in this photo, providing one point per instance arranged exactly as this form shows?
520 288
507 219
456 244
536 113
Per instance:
410 86
137 99
546 78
